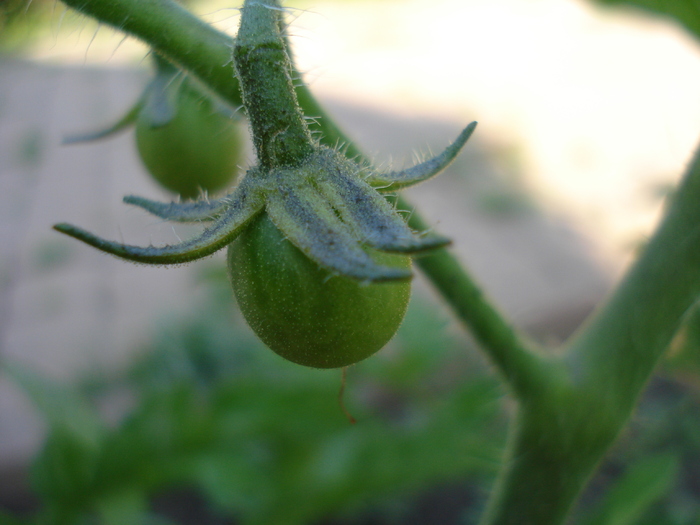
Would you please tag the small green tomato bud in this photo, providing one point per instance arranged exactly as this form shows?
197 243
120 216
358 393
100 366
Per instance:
198 149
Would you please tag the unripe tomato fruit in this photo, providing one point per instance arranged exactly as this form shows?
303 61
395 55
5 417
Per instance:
301 312
200 148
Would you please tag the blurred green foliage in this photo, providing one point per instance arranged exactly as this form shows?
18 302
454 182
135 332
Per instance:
686 12
645 482
264 440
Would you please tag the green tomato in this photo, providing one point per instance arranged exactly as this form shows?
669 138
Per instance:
199 148
303 313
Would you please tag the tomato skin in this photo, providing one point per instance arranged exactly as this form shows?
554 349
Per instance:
199 149
301 312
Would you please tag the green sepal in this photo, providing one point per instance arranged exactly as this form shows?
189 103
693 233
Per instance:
373 220
123 123
191 211
311 224
160 96
396 180
245 204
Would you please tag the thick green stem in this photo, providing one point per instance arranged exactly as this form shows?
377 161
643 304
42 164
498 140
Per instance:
280 135
563 432
618 349
560 434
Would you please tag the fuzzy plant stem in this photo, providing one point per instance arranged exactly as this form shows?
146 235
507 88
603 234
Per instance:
280 135
564 428
171 30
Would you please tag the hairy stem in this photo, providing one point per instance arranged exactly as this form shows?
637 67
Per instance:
563 432
175 33
280 134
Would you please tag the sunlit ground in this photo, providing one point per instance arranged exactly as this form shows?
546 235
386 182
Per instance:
598 108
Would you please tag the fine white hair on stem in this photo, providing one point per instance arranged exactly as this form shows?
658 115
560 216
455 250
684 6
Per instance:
116 48
59 24
87 49
308 76
312 119
229 17
145 57
179 76
175 233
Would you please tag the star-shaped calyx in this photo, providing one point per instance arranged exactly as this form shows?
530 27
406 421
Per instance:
328 206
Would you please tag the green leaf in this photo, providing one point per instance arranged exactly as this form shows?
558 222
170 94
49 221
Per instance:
127 506
683 356
9 519
64 470
636 491
61 406
686 12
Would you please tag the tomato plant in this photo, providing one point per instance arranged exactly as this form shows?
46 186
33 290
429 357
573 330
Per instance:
321 195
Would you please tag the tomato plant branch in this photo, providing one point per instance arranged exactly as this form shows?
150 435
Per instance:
621 345
171 30
565 429
280 135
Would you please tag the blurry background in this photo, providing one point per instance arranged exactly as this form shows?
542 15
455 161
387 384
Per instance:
137 391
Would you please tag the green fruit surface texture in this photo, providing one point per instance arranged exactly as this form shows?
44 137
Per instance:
198 150
303 313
